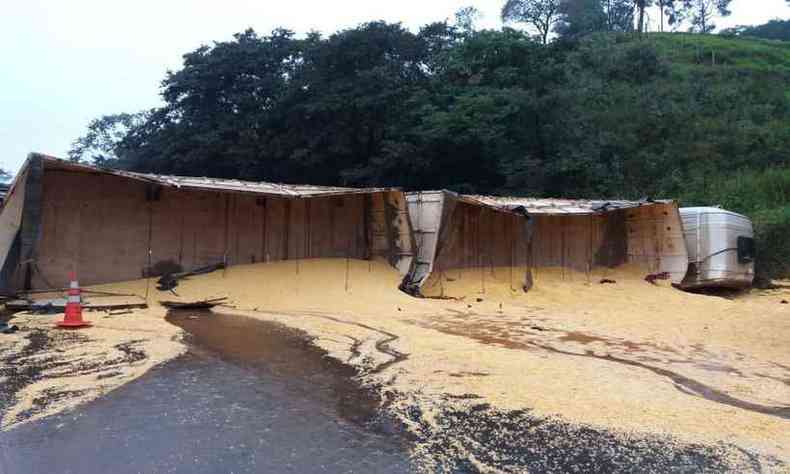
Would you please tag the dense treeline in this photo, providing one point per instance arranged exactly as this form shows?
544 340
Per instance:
775 30
602 115
489 111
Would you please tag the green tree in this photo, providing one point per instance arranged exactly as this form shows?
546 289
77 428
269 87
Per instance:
346 97
670 12
582 17
465 18
104 141
641 8
222 108
703 12
482 116
542 15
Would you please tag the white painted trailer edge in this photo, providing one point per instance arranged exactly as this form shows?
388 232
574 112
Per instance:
425 214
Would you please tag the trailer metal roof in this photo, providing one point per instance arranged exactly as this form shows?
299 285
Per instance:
552 206
209 184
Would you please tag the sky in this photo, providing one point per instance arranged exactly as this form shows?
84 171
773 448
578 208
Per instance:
63 63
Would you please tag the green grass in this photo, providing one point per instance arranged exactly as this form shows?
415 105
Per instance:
771 231
752 54
747 192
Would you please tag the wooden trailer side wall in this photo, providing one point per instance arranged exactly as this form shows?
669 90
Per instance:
10 226
655 240
580 242
102 226
649 236
483 246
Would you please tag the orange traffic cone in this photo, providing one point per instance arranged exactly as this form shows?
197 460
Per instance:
73 318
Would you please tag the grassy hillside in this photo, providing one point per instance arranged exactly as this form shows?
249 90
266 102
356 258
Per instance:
761 191
747 54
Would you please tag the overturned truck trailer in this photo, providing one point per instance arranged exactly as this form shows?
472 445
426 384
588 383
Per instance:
111 225
497 238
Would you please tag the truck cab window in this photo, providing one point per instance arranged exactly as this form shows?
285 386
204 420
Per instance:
745 250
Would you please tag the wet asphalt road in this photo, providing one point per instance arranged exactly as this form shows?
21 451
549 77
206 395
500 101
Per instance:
258 397
206 413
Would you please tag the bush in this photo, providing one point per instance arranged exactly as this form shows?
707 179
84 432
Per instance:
771 232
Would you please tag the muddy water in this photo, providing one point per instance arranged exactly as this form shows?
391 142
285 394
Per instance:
271 348
248 397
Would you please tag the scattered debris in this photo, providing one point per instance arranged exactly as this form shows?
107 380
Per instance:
657 276
58 305
168 281
42 306
6 329
25 295
164 267
203 304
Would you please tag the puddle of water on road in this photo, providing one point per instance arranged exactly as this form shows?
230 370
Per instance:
242 399
248 396
274 348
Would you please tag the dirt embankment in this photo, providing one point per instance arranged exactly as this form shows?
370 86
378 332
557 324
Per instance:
660 378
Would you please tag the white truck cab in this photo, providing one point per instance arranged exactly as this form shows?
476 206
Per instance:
720 246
